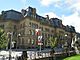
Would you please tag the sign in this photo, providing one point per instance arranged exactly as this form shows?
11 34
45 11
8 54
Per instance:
38 31
40 43
40 40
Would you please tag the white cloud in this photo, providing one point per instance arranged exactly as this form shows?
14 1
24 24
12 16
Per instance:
58 3
48 2
69 2
73 20
51 15
76 7
68 5
23 1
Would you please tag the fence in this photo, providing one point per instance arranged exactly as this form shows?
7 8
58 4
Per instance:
33 55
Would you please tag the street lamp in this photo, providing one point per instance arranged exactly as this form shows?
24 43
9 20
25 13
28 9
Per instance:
17 40
66 45
10 34
65 35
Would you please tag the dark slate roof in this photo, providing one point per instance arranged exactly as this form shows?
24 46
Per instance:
78 34
14 11
70 28
12 15
56 22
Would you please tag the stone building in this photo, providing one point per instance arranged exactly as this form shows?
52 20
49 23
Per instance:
24 23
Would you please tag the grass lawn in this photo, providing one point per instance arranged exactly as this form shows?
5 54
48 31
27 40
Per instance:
76 57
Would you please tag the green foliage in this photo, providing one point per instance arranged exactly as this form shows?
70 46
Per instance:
76 57
53 41
3 41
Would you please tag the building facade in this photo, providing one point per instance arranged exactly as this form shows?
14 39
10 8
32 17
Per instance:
23 25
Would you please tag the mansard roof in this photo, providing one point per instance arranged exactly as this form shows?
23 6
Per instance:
11 15
54 22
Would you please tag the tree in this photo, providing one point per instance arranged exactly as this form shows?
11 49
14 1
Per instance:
3 41
53 41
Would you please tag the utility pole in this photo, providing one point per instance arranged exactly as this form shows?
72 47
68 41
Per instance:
18 38
10 43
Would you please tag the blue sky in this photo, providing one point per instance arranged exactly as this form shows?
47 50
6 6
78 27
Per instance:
67 10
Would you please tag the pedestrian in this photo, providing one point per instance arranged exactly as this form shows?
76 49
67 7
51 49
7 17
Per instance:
3 57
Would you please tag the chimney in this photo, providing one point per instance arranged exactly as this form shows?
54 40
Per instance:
23 12
47 17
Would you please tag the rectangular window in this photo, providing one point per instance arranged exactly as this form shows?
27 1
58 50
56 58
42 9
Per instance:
52 31
46 29
15 27
2 26
32 41
41 28
20 26
23 25
29 32
29 24
22 40
45 35
34 25
33 32
19 40
28 41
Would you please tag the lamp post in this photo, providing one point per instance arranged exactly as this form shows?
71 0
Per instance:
10 43
65 35
66 45
17 40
